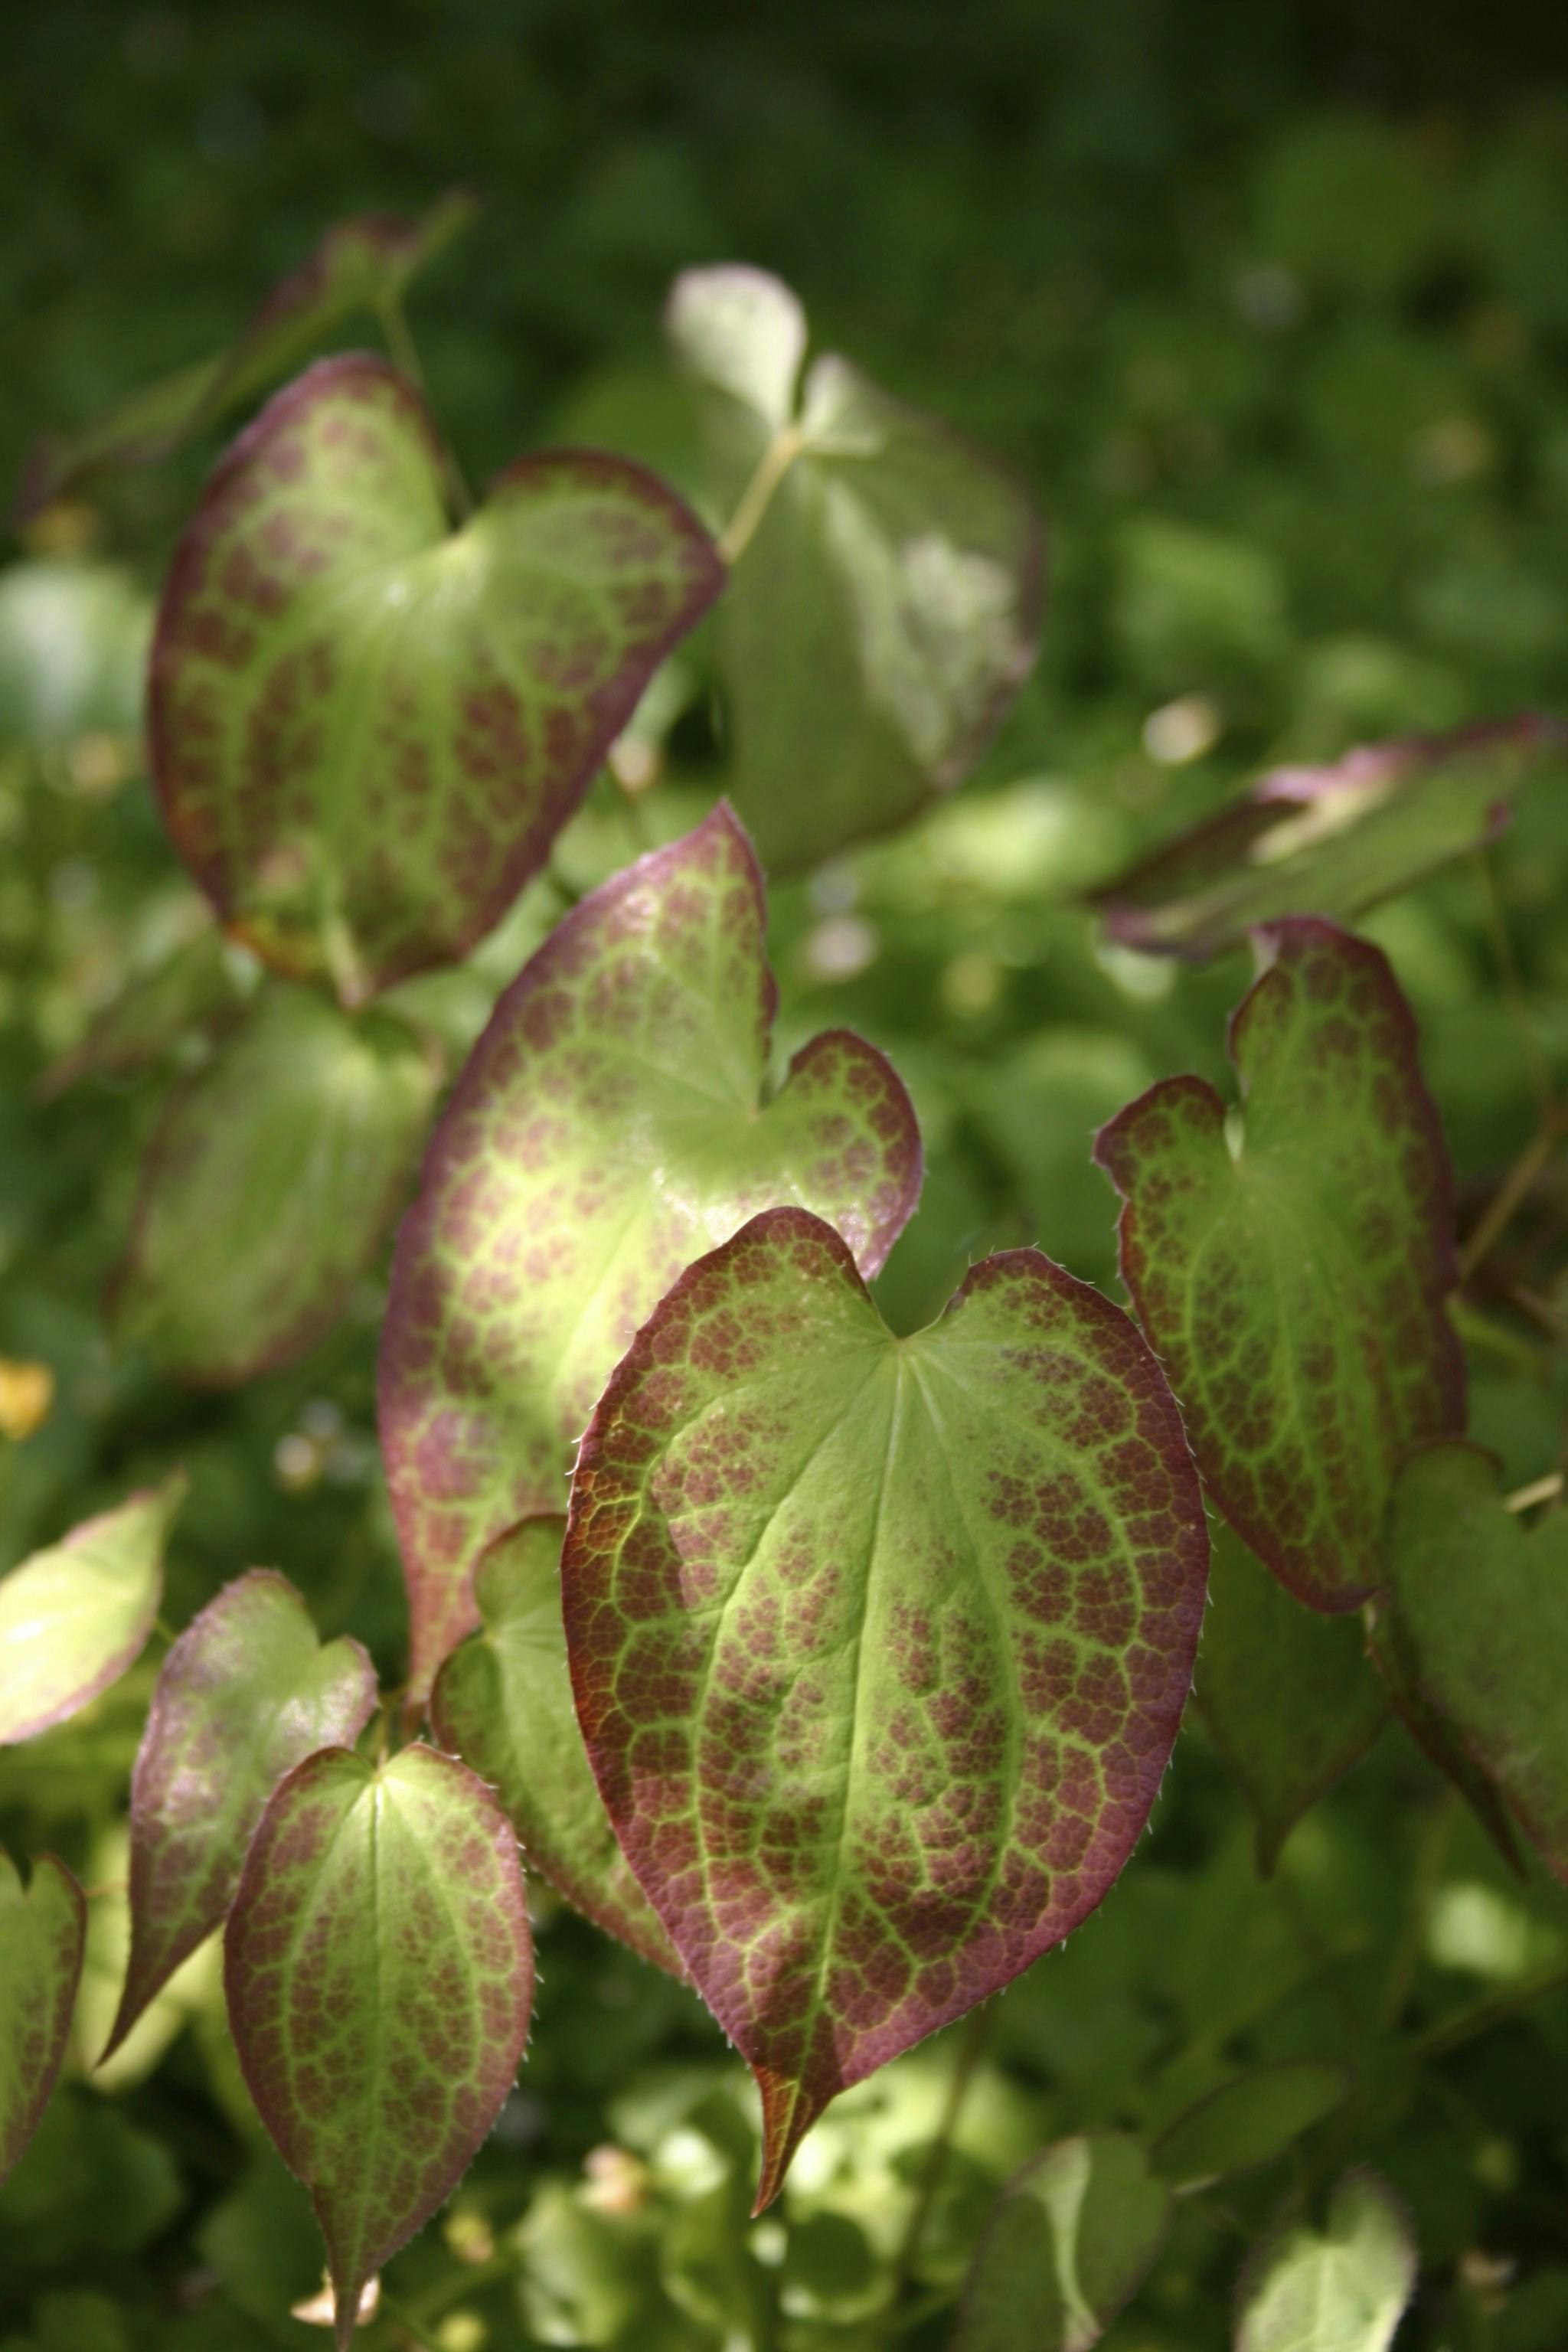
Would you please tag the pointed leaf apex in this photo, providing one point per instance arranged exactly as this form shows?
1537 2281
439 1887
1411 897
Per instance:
789 2111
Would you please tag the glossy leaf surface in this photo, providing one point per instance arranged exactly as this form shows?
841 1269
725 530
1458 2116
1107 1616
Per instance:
43 1930
379 1975
367 727
878 1646
1340 2289
1288 1696
1330 840
503 1703
74 1617
1071 2237
244 1695
614 1122
269 1184
887 609
1294 1283
1250 2122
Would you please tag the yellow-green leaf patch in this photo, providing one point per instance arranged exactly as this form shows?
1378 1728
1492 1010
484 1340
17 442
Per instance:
74 1617
1339 2289
1072 2236
43 1929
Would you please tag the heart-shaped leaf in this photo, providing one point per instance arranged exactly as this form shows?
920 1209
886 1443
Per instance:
43 1933
1293 1283
363 264
367 727
613 1123
244 1695
1340 2289
878 1644
503 1703
379 1975
1330 840
74 1617
1071 2237
1248 2122
884 611
1287 1695
269 1184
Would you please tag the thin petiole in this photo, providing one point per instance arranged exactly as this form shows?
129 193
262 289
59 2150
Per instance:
774 463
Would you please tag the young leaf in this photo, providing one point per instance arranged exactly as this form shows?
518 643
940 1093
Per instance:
878 1644
269 1184
885 610
1341 2289
359 264
1068 2242
244 1695
43 1931
612 1124
1287 1695
379 1975
74 1617
367 727
1250 2122
1328 840
1294 1285
503 1703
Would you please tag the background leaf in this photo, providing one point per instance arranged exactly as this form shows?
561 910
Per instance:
1072 2236
1248 2123
43 1928
1339 2290
73 1618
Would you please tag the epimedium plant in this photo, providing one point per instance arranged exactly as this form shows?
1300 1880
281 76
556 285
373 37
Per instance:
832 1668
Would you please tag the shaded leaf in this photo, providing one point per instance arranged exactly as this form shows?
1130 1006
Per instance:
368 728
1392 1651
269 1186
1294 1283
503 1703
359 264
1330 840
244 1695
74 1617
885 612
1071 2237
191 990
379 1975
1248 2123
1341 2289
878 1646
1287 1694
614 1122
43 1930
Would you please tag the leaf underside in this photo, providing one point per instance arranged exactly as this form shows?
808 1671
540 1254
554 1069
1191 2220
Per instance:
43 1931
878 1646
610 1125
1339 2290
73 1618
1070 2238
1294 1290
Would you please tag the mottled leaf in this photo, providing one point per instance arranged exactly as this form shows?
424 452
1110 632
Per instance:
1390 1647
1330 840
1292 1277
244 1695
1250 2122
379 1975
1287 1695
1340 2289
615 1121
366 726
878 1644
503 1703
1071 2237
43 1928
74 1617
886 609
359 265
269 1184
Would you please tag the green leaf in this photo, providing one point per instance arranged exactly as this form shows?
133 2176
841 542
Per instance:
1330 840
244 1695
74 1617
616 1120
1248 2123
379 1975
269 1184
1339 2290
1294 1283
503 1703
363 264
1070 2239
190 991
1287 1695
878 1644
42 1932
367 727
885 610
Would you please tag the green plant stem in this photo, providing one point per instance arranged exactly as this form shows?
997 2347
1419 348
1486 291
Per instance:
1511 985
404 354
970 2052
774 463
1540 1490
1451 2034
1512 1192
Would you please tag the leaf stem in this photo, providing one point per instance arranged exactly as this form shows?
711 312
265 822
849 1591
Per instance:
970 2052
1512 1192
404 354
1540 1490
1451 2034
1511 984
773 465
